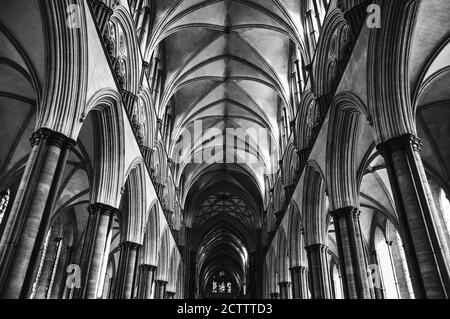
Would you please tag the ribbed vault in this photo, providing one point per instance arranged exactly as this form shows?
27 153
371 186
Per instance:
227 67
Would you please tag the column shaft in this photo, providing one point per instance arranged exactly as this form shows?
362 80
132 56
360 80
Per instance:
351 253
28 223
299 277
146 279
160 289
284 290
126 270
319 277
415 209
99 224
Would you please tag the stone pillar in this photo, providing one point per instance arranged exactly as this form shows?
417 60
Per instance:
30 215
146 278
126 270
415 209
160 289
284 290
299 277
99 224
319 277
351 253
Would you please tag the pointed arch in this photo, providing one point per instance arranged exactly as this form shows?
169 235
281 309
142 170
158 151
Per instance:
109 147
314 205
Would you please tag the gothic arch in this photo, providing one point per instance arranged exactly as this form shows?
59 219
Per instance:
121 19
308 119
295 237
164 256
173 270
389 94
66 70
283 257
273 271
150 132
314 205
134 214
342 149
109 147
328 49
152 236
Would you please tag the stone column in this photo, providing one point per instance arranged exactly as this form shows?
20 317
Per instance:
415 209
351 253
160 289
299 277
146 278
30 215
319 277
99 224
126 270
284 290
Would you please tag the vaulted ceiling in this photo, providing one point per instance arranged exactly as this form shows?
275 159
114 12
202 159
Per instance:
227 68
227 65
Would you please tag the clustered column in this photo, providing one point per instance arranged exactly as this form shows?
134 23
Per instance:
126 271
30 215
146 278
299 277
284 290
415 209
351 253
319 277
99 224
160 289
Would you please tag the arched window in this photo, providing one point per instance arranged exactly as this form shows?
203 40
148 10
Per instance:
4 203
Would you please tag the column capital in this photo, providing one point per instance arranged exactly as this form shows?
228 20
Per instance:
313 247
130 244
284 283
52 138
103 209
400 143
148 267
298 269
344 212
